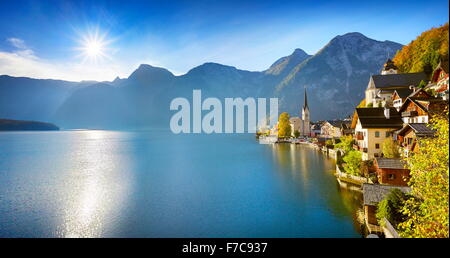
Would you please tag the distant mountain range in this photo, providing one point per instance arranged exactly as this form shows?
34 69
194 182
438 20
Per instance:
335 78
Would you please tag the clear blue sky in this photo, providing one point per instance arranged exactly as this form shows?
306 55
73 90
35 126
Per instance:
44 38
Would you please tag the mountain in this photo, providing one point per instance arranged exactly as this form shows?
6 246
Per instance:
285 64
335 78
33 99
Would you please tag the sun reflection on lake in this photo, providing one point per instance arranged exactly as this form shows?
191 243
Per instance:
95 190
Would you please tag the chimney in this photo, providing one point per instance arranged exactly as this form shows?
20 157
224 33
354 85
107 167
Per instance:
386 112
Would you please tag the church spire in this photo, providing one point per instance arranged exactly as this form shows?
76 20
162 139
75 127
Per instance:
305 105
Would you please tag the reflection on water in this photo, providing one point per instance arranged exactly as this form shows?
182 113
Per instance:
93 192
156 184
306 167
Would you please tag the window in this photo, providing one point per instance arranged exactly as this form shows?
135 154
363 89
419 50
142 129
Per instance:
377 145
391 176
388 134
375 155
377 134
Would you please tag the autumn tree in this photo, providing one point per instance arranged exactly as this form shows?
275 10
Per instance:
353 161
390 148
284 125
424 53
346 143
428 211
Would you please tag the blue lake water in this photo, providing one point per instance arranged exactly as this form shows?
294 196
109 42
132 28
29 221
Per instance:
155 184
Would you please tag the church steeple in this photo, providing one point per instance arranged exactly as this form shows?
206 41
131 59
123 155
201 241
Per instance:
305 104
306 117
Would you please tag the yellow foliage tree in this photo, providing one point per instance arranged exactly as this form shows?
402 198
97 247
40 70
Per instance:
428 211
424 53
284 126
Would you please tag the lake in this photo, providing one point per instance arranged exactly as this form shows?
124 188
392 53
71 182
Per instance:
93 183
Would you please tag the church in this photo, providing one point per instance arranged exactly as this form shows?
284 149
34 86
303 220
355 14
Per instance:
303 124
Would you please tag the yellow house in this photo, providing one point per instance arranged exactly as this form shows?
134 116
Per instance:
372 126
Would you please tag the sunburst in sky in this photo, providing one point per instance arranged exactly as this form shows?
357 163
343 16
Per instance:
94 46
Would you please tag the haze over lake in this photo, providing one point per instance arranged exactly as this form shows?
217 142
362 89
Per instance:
156 184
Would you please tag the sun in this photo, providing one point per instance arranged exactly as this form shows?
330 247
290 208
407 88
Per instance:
93 46
94 49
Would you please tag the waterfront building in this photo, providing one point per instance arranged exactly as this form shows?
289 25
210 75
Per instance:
332 129
302 124
372 126
372 195
391 171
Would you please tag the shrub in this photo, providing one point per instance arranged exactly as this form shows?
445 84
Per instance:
390 208
353 161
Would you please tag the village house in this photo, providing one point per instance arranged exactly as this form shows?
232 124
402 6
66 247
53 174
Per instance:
391 171
418 108
372 195
315 129
399 96
346 128
381 86
439 80
331 129
409 136
372 126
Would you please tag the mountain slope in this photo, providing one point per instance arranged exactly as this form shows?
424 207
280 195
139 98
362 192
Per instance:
284 65
33 99
336 76
424 53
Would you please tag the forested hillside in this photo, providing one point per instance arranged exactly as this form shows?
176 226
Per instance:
424 53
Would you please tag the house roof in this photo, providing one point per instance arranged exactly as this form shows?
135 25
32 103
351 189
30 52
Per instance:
315 127
442 66
336 123
404 92
398 80
390 163
375 118
375 193
424 103
421 91
420 129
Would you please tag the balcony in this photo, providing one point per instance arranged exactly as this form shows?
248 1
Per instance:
359 137
356 147
409 113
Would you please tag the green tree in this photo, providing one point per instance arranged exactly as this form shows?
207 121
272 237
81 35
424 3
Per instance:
296 134
284 125
428 212
390 148
346 143
390 208
353 161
